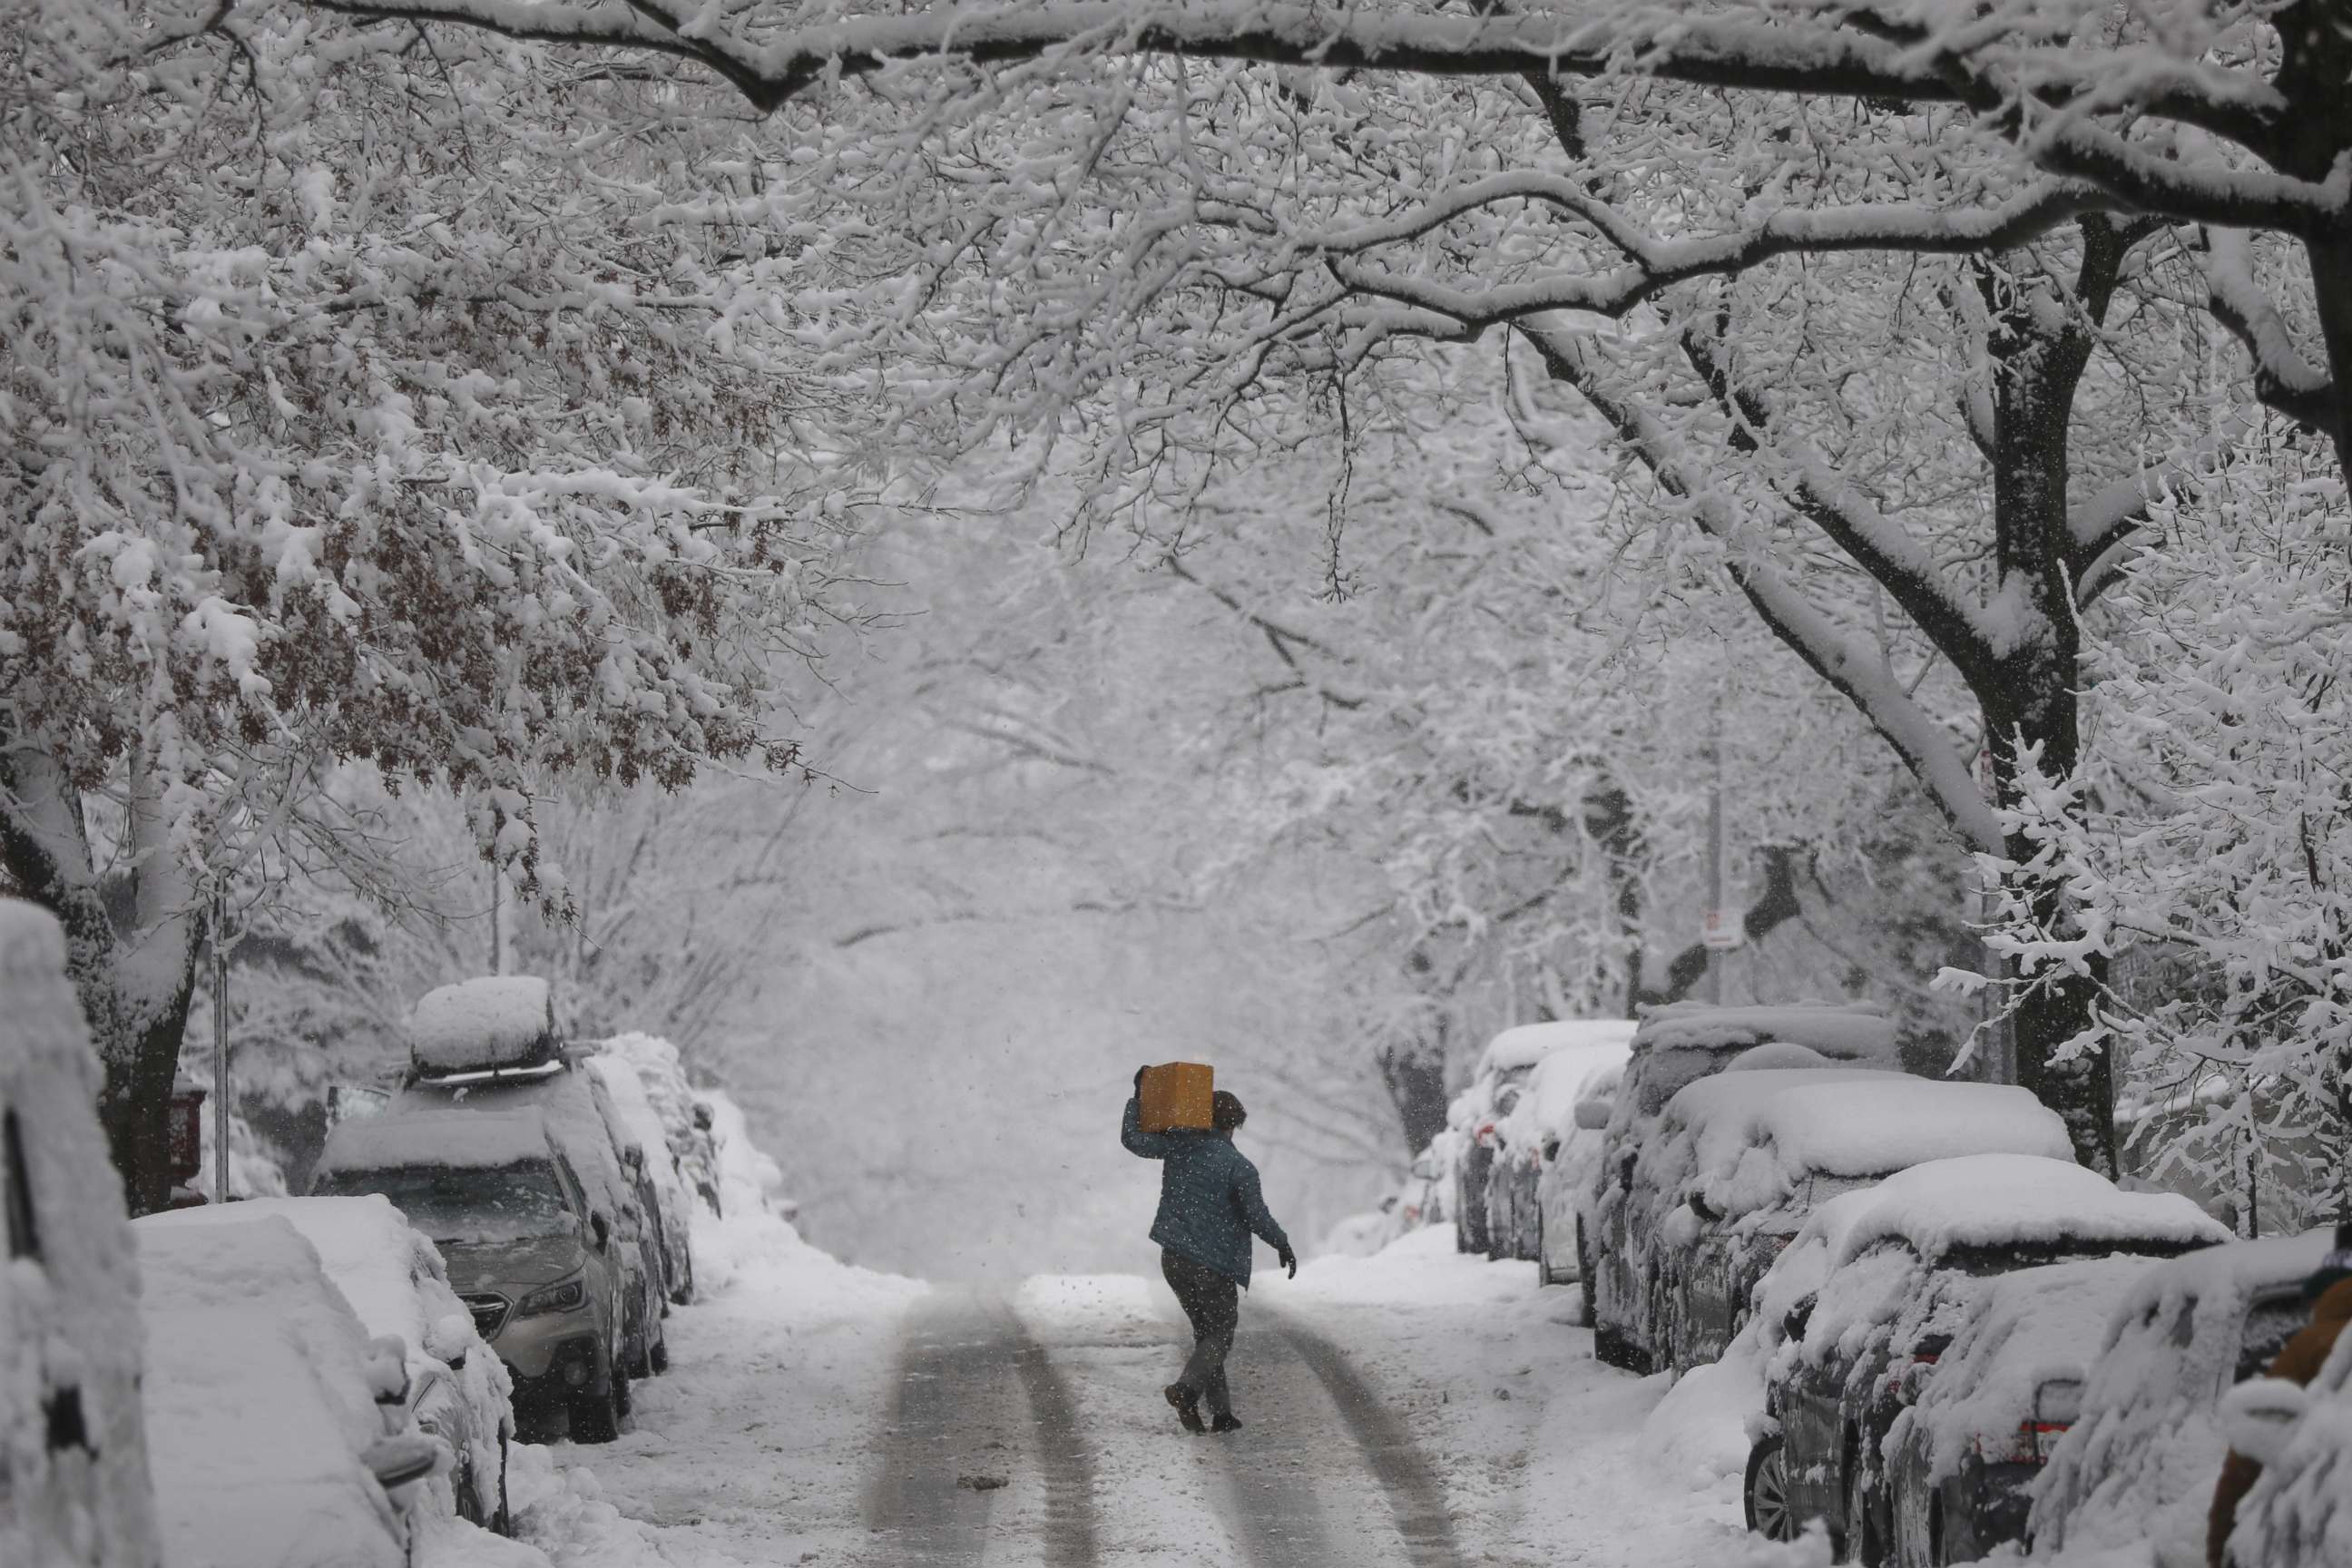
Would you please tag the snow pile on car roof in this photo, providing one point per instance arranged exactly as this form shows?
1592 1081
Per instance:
448 1139
1547 1109
493 1021
257 1401
1528 1044
68 1315
2007 1200
2138 1465
2023 1329
1848 1032
1870 1126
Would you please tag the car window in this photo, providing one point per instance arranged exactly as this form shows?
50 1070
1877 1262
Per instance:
466 1204
2271 1321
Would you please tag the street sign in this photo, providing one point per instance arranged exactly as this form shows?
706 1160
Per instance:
1723 931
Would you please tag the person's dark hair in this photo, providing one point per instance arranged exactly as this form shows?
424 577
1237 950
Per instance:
1226 1111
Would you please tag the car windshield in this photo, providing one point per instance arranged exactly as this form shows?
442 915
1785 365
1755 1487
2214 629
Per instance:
2008 1256
508 1203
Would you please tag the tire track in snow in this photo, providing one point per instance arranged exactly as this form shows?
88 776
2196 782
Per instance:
1274 1462
974 1393
1414 1490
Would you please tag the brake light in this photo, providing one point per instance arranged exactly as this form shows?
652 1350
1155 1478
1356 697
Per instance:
1903 1380
1485 1135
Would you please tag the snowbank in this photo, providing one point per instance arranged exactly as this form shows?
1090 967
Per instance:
495 1020
754 1249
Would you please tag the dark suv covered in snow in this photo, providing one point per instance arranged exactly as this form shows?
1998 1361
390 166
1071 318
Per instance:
1904 1271
1678 1044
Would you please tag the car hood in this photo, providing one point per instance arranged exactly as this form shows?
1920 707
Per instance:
503 1266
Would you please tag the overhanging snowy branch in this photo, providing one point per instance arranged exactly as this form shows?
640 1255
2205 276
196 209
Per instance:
1849 665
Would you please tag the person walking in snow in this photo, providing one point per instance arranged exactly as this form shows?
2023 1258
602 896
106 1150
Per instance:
1209 1206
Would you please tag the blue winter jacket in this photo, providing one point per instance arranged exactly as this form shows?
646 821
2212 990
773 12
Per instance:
1209 1197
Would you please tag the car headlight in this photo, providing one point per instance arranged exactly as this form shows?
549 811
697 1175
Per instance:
565 1295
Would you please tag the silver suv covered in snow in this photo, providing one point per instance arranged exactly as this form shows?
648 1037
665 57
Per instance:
528 1250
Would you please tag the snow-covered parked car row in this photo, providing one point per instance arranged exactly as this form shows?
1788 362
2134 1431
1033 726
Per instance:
1948 1337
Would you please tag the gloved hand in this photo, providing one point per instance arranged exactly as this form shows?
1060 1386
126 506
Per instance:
1288 1259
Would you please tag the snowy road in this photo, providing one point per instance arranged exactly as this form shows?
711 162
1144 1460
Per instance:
1417 1412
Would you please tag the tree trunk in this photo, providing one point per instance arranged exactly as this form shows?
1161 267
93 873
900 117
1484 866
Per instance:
132 958
135 1105
1416 1083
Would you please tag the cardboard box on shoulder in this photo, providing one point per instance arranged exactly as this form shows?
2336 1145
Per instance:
1177 1096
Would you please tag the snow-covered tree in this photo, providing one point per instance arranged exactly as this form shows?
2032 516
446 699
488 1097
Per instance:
361 405
2211 829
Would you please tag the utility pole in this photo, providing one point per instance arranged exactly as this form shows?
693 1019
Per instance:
220 1046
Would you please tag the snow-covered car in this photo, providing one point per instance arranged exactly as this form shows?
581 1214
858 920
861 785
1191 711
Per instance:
528 1250
664 1174
1739 1159
73 1444
393 1276
492 1044
1894 1269
1568 1160
2139 1464
687 1117
1574 1053
2299 1511
1497 1081
1678 1044
1991 1397
278 1431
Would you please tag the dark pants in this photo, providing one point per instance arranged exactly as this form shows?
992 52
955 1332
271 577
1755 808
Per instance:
1213 1304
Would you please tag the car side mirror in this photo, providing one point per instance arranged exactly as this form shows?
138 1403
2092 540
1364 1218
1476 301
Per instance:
448 1338
1793 1325
1592 1115
602 1231
1625 1173
387 1369
702 1116
408 1457
1551 1151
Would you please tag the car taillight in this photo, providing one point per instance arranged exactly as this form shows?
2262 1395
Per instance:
1485 1135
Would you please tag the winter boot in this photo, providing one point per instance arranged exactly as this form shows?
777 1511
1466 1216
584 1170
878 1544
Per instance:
1228 1421
1188 1406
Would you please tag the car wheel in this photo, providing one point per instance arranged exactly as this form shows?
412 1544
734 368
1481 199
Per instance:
1611 1348
1861 1542
596 1417
469 1497
661 1355
1764 1495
